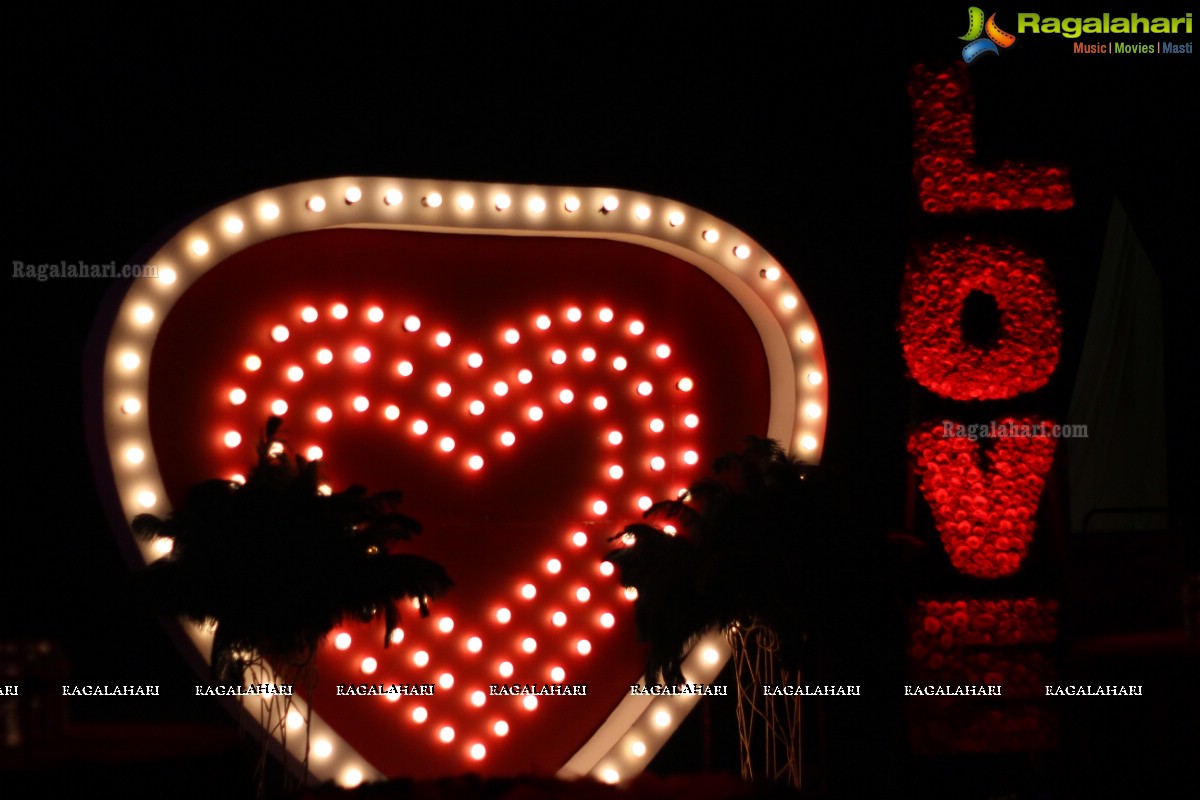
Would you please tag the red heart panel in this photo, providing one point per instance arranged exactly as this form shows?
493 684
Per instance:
530 393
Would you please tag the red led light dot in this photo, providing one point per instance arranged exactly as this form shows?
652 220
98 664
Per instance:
280 333
446 734
446 680
529 591
412 323
691 457
252 363
644 388
405 368
361 404
530 702
583 647
279 407
606 568
657 425
339 311
324 414
558 357
478 698
308 314
503 615
420 714
644 503
658 463
553 566
475 407
583 594
599 402
542 322
599 508
324 489
615 472
558 619
670 530
369 665
525 376
574 314
566 396
393 698
421 658
685 384
397 635
237 396
500 728
446 444
631 593
605 314
619 363
342 641
474 644
362 354
475 462
637 327
295 374
442 339
232 439
588 354
443 389
529 644
508 438
614 437
505 669
445 624
500 388
392 413
314 453
607 620
324 356
558 674
475 361
375 314
691 420
579 539
662 351
535 413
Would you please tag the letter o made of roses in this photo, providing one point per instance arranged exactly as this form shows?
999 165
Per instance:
1025 352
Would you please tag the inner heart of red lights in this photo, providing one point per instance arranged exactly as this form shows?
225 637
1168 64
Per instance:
471 404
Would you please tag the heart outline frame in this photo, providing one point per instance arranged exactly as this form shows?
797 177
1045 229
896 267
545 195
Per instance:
125 333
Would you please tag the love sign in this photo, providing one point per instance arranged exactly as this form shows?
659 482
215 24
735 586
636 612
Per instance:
532 367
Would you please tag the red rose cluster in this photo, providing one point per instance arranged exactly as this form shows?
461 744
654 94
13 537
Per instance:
954 725
1026 350
985 515
944 148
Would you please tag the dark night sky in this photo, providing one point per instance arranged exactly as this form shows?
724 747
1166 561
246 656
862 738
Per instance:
793 126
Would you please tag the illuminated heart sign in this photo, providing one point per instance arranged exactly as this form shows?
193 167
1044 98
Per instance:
532 366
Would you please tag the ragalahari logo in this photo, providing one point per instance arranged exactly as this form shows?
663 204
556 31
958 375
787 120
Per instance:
976 27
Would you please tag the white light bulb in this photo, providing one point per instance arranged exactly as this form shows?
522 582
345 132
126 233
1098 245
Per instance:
529 591
442 339
362 354
308 314
642 213
611 203
199 247
502 201
524 376
711 236
466 202
316 203
807 336
537 205
571 204
135 455
447 444
500 728
742 251
143 315
167 276
615 437
421 658
420 714
815 378
405 368
583 647
512 336
315 453
253 363
574 314
233 439
599 508
393 197
615 472
412 323
566 396
529 644
583 594
353 195
675 218
475 462
553 566
606 315
280 333
433 199
269 211
443 389
474 644
476 408
558 619
619 363
475 361
295 374
535 413
279 407
392 413
503 616
446 734
506 669
369 665
361 404
237 396
808 443
637 327
339 311
645 388
579 538
322 748
446 680
375 314
508 438
324 414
